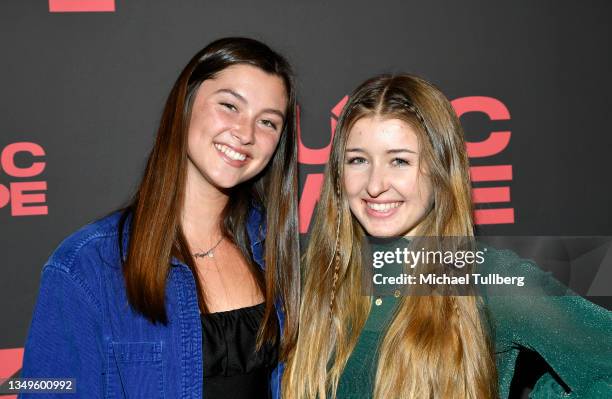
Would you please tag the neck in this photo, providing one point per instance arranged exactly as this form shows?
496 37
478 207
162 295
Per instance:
202 208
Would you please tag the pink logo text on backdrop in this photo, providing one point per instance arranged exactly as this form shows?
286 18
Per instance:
10 364
25 198
494 144
81 5
314 181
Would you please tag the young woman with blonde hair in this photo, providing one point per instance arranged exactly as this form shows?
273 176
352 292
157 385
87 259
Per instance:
398 167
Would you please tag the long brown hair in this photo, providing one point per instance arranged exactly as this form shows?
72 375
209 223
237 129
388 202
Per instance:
155 230
435 346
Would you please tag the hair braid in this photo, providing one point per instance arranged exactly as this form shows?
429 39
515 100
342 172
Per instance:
336 253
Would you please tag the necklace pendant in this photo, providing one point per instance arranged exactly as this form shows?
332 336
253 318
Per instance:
210 252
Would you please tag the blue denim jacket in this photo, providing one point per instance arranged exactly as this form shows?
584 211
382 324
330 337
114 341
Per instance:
84 328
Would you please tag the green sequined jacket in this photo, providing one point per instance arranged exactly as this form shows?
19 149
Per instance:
573 335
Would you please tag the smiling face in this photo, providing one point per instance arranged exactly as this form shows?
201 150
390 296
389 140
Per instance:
236 122
386 189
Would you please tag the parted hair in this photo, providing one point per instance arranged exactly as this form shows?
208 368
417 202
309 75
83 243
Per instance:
434 346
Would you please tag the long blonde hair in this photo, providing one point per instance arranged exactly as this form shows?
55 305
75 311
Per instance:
435 346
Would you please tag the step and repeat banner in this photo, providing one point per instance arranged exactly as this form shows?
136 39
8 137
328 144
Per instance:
83 83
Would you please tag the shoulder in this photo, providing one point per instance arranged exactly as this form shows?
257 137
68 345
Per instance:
496 257
82 267
96 244
523 276
517 291
506 262
256 224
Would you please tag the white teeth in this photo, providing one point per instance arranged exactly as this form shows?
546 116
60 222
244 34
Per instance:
383 207
230 153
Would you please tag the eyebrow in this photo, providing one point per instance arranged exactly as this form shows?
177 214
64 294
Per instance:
241 98
233 93
392 151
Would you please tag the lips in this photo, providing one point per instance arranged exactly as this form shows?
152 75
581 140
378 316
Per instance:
382 209
231 153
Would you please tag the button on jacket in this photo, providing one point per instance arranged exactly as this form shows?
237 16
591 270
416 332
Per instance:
84 328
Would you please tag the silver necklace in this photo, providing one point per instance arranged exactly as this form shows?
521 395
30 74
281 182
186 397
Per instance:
210 253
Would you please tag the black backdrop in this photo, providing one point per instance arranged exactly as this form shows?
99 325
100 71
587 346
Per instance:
87 88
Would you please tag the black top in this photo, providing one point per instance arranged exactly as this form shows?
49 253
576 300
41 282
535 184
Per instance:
232 368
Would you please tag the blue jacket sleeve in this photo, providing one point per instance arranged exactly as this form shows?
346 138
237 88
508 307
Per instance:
65 337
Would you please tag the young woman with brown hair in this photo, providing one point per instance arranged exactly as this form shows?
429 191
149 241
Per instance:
170 297
398 167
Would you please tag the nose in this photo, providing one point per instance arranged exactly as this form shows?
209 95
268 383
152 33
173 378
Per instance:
244 130
377 181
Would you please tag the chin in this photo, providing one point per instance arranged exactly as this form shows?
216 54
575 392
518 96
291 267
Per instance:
379 231
227 185
384 234
227 178
223 183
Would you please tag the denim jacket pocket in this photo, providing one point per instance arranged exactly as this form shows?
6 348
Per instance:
135 370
